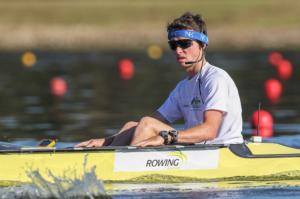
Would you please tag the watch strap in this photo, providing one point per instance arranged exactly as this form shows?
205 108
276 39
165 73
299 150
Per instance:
174 136
164 135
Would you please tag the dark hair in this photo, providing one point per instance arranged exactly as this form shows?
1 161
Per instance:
189 21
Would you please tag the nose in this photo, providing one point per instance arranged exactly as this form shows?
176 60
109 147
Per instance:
178 50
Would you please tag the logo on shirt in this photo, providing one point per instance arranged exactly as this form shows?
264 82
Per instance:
195 103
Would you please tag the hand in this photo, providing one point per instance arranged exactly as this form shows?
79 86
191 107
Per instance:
91 143
153 141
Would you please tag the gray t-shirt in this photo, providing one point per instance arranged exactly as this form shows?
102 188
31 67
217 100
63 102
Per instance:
211 89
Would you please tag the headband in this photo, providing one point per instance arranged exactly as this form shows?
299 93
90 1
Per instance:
199 36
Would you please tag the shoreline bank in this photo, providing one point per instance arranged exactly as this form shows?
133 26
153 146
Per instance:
82 38
135 24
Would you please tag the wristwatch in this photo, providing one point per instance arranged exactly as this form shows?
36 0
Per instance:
164 135
174 136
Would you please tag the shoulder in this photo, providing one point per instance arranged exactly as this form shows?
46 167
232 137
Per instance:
181 84
215 72
215 77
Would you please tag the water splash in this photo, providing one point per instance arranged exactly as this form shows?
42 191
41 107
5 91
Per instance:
88 186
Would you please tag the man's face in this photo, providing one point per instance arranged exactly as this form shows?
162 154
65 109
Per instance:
186 50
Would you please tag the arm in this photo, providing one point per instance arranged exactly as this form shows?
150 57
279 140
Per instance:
208 130
215 95
202 132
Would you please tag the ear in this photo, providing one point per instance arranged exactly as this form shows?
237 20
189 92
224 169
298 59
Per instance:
203 47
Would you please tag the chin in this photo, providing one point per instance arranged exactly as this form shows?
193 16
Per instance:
185 66
182 64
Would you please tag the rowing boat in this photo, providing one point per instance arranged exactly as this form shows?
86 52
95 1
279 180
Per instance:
174 163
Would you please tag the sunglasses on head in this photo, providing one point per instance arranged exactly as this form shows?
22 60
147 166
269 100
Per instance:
183 43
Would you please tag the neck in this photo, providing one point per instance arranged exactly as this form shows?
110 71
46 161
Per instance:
195 68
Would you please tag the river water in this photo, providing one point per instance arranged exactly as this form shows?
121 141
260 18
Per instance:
98 102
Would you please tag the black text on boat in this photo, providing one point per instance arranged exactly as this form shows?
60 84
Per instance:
162 162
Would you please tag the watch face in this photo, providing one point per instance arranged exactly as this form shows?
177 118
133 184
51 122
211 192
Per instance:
174 132
174 136
163 133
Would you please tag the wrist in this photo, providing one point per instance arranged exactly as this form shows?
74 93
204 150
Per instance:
166 137
174 136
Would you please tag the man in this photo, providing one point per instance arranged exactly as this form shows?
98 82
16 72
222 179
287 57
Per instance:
207 99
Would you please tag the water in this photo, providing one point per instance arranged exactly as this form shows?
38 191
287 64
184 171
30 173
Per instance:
98 102
98 99
191 191
90 187
86 187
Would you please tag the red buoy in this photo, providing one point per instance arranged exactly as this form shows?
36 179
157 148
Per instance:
58 86
264 120
273 90
275 58
263 132
126 69
284 69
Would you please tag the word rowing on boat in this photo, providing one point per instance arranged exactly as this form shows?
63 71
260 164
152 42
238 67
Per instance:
173 163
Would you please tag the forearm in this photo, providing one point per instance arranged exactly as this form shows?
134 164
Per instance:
197 134
208 130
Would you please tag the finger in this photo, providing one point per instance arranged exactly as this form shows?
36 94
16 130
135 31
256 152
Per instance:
151 143
139 144
146 143
82 144
92 143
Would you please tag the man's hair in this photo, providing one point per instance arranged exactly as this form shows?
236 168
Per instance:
188 21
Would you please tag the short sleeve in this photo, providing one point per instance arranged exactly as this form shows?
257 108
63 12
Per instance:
170 108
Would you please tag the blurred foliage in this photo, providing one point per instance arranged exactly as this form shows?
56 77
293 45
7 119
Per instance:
135 24
245 13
